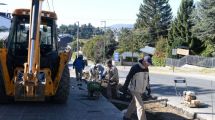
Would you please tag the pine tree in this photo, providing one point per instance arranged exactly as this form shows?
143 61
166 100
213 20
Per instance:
155 17
180 33
204 28
204 18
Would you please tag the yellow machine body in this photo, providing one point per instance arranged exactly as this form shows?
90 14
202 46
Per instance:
28 80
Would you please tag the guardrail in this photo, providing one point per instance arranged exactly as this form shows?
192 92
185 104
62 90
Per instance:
192 60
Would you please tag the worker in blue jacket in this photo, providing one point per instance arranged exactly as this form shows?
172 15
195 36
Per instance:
79 65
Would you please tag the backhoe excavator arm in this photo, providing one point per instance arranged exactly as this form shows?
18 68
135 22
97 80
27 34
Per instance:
33 48
31 68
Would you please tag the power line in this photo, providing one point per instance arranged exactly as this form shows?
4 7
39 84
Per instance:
53 6
48 5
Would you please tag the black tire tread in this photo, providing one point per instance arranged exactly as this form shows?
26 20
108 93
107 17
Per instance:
3 97
63 90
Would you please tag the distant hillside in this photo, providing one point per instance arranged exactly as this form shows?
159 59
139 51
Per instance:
120 26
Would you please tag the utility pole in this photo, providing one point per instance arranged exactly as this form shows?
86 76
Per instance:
132 38
104 40
78 39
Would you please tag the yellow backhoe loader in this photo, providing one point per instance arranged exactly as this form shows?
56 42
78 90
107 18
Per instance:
31 66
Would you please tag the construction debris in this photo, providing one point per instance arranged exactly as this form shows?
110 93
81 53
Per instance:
190 99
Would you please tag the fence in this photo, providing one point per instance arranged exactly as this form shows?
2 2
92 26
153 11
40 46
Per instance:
192 60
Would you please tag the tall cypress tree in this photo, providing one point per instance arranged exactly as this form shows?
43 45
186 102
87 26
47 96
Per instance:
204 27
180 33
155 17
204 18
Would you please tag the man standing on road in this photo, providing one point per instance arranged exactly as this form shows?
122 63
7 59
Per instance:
149 59
79 65
112 77
136 81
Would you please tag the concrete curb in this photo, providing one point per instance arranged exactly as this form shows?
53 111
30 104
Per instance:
186 113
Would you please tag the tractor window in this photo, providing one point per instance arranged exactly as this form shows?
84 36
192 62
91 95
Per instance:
20 38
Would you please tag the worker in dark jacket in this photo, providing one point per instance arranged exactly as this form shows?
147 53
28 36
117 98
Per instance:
136 82
79 65
148 88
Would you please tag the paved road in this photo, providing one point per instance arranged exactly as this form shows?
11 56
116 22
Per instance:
78 107
163 86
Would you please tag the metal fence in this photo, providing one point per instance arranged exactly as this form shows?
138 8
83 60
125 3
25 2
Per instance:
192 60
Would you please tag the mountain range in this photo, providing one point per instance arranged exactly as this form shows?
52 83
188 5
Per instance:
120 26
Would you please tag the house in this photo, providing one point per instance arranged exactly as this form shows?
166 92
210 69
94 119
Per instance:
129 58
64 40
148 50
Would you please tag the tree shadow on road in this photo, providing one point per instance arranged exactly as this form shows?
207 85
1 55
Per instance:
166 90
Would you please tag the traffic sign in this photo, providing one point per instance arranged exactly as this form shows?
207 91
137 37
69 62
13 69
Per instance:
116 57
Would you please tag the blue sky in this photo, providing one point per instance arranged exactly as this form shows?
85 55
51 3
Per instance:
90 11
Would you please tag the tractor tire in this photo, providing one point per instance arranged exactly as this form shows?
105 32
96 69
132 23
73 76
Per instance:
63 90
3 97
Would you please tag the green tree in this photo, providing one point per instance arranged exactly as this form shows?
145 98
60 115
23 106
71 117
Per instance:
132 40
155 17
160 53
140 39
72 30
73 44
100 47
86 31
110 43
181 28
93 50
125 40
204 28
63 29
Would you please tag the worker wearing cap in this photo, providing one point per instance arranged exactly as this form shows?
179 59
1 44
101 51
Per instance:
149 59
136 82
78 65
94 73
111 75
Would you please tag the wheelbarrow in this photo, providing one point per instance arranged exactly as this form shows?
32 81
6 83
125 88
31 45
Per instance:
94 89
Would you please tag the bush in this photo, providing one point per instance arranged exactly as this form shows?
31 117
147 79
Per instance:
94 49
160 53
73 55
158 61
209 50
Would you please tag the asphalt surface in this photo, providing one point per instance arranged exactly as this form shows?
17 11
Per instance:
78 107
163 86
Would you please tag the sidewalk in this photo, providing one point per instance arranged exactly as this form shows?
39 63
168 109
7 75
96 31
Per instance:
85 109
